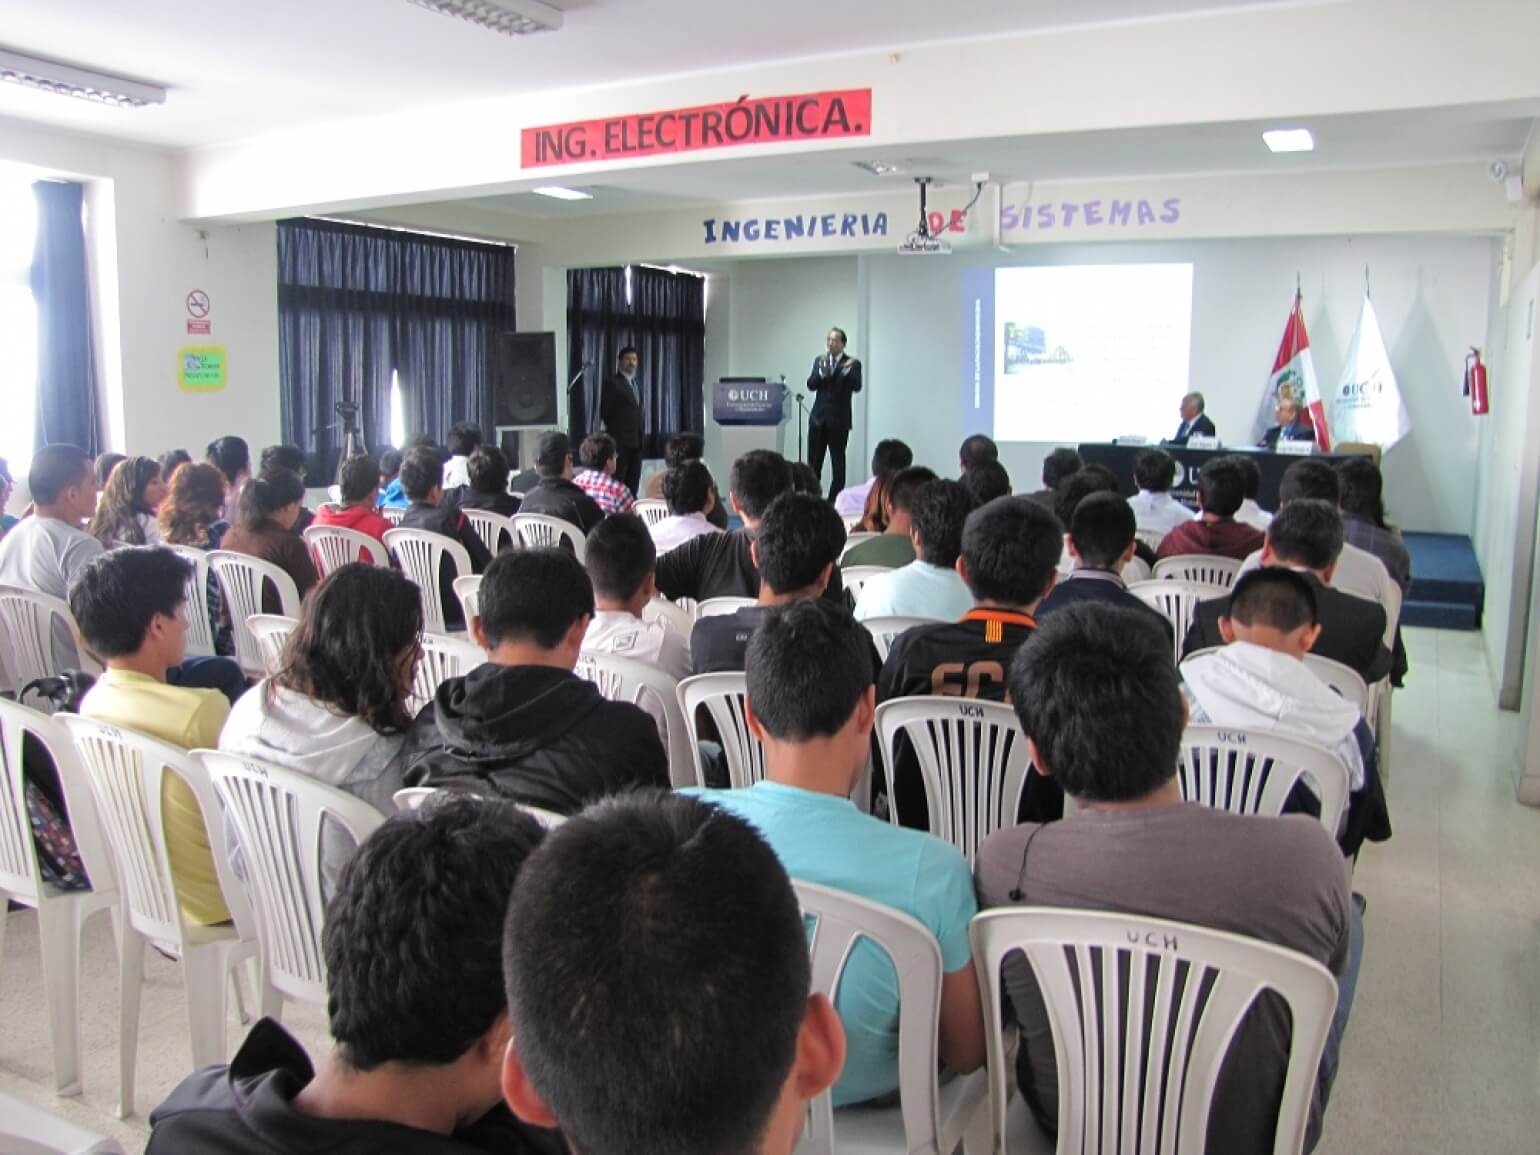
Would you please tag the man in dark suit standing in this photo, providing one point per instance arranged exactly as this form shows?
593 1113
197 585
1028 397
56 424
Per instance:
1294 424
620 409
1194 422
1306 536
835 378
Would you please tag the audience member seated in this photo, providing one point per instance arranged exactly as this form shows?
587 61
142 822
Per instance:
1259 681
894 547
1076 488
1101 542
7 488
1058 465
659 986
360 491
1363 519
691 498
681 449
1306 536
874 515
811 702
1221 489
463 439
890 457
193 515
555 495
393 493
1010 557
621 562
269 506
336 711
928 587
1291 422
292 458
804 480
125 514
390 469
130 605
232 457
488 488
1155 510
419 1029
524 726
796 549
105 464
1100 703
975 451
987 482
1250 513
722 565
171 461
422 475
599 457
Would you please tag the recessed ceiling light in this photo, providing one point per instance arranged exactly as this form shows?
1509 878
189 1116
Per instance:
510 17
68 80
557 193
1289 139
877 167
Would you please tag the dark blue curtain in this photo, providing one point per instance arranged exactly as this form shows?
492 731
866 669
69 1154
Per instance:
355 303
66 367
665 321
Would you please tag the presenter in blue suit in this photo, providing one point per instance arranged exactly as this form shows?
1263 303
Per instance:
835 379
1194 422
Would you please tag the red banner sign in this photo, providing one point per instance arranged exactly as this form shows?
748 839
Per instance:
765 120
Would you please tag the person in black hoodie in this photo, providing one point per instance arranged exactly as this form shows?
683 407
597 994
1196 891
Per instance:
524 726
555 495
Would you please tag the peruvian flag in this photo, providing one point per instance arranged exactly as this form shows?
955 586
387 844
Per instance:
1367 404
1294 377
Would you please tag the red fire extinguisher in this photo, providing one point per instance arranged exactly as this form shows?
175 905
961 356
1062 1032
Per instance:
1476 382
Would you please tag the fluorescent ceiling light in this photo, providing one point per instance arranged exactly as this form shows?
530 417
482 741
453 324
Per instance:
67 80
557 193
1289 139
510 17
877 167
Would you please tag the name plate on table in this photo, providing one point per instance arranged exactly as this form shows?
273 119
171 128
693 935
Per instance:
1131 439
747 402
1197 442
1295 447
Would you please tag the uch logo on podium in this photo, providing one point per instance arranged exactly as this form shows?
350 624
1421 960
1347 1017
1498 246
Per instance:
752 402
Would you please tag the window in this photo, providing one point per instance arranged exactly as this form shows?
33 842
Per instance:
18 321
397 412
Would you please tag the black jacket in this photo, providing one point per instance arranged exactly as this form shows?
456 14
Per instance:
503 503
621 412
1352 629
541 736
834 389
1201 427
247 1109
1106 590
719 565
558 497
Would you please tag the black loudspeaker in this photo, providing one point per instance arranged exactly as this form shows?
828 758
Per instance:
525 367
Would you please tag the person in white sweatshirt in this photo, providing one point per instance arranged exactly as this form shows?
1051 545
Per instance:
337 709
1259 681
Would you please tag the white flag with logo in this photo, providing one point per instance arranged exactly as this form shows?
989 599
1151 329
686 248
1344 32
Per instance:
1366 404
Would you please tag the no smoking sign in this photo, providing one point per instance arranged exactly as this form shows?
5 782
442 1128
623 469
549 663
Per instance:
198 313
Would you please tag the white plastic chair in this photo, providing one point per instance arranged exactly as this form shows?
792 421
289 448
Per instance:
242 578
61 914
652 510
537 531
279 817
271 633
468 589
1342 678
855 577
26 1129
717 607
851 520
393 513
930 1117
413 797
885 631
491 528
1252 772
200 623
1136 569
1177 600
443 657
30 622
622 679
673 615
125 771
973 761
723 696
334 546
421 552
1150 537
1090 967
1204 568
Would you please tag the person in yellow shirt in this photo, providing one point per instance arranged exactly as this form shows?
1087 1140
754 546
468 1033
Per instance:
131 608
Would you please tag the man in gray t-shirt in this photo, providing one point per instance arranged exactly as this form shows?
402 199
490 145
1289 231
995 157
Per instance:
1101 706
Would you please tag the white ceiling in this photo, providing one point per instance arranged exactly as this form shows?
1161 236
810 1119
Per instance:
240 68
1435 136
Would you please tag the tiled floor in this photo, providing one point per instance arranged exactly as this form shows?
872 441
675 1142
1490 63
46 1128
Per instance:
1443 1051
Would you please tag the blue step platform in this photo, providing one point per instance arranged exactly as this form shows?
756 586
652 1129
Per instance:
1447 589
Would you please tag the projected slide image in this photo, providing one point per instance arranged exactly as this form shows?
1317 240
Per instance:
1088 352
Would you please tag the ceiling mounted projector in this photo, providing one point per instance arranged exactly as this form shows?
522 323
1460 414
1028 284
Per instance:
510 17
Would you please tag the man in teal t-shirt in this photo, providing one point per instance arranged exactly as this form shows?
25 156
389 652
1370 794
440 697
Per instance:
812 703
